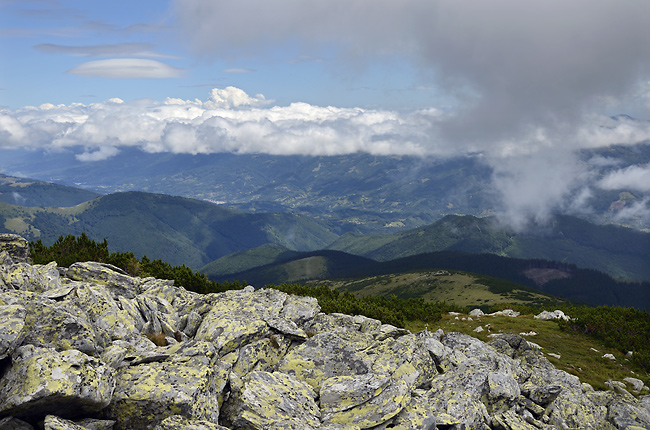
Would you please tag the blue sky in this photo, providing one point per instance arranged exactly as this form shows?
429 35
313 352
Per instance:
523 84
47 46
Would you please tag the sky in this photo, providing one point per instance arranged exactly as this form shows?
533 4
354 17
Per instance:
523 84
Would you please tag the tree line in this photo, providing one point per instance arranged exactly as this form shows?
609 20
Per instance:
626 329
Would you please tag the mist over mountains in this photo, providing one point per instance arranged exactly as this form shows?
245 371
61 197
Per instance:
372 192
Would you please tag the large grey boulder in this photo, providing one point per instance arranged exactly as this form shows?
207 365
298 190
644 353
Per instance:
12 325
16 248
179 422
114 278
273 400
41 381
36 278
324 356
187 380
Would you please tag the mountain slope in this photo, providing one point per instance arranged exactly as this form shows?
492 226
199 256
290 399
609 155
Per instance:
297 267
526 281
30 192
175 229
379 193
618 251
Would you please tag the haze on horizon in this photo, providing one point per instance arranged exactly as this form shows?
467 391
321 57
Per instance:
522 85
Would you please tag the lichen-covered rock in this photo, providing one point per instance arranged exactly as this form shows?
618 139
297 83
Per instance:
392 354
90 341
299 309
263 355
368 407
95 424
341 393
52 422
60 325
179 422
229 330
42 381
273 401
36 278
628 412
12 324
459 392
240 317
188 382
336 322
324 356
16 247
417 414
117 282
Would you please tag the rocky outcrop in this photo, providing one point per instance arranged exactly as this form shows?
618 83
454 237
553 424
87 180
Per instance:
90 347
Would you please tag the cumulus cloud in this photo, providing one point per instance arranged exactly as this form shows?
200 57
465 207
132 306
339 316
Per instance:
632 177
126 68
229 120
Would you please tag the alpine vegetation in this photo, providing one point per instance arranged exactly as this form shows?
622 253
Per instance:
91 347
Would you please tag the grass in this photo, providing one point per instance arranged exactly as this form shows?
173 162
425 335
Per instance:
459 288
577 355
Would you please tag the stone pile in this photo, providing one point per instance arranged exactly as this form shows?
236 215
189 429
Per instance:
90 348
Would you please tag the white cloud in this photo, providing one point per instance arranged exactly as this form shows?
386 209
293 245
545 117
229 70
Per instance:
126 68
238 70
231 97
228 121
637 212
100 154
530 189
513 66
632 177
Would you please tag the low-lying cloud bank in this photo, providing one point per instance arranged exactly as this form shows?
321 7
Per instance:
228 121
535 173
231 120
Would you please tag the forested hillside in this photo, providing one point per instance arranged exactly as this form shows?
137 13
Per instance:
176 229
30 192
621 252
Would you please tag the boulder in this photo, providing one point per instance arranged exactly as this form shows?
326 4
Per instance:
36 278
324 356
15 247
12 324
41 381
272 400
476 313
188 382
115 279
555 315
12 423
61 325
179 422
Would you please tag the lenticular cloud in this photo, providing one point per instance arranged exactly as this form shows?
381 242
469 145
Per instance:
230 120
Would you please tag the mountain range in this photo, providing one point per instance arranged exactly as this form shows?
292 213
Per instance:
374 194
259 246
